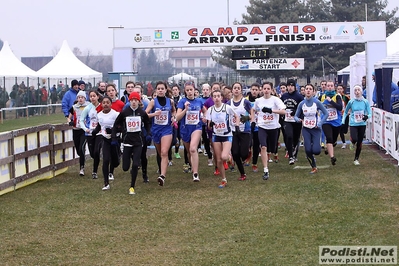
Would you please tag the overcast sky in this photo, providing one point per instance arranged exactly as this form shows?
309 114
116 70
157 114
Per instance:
38 28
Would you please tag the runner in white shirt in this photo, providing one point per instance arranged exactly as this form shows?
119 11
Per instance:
219 119
267 110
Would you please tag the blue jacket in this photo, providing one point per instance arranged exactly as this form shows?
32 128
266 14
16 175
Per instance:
68 100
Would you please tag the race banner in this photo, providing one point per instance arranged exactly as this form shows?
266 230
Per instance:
271 64
250 34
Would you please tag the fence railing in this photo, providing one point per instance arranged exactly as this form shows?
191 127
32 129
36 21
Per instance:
36 153
28 111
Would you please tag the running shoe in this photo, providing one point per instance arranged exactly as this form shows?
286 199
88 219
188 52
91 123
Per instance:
356 162
291 161
205 153
177 155
275 158
265 176
217 172
199 150
314 170
210 162
161 180
94 175
322 145
333 160
242 177
170 163
286 155
186 168
343 146
226 166
82 171
248 159
269 156
106 187
351 146
223 183
111 177
196 177
145 179
254 168
326 151
131 191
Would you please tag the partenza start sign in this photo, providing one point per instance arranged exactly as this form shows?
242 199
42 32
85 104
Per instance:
251 34
271 64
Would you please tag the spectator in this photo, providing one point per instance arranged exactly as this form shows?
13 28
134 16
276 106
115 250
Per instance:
13 95
43 98
53 98
70 97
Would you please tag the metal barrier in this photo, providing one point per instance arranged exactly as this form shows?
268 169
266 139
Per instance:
32 154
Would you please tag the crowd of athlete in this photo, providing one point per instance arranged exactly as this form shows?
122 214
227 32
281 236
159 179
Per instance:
235 130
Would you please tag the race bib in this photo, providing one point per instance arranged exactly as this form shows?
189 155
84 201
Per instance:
219 127
192 117
309 122
332 114
161 119
358 115
265 118
289 116
133 123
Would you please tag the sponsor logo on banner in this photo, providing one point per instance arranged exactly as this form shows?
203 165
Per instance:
342 34
175 37
325 36
158 38
158 34
271 64
138 38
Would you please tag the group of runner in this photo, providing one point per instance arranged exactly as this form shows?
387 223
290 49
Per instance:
235 130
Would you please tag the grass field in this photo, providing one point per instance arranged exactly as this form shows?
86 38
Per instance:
68 220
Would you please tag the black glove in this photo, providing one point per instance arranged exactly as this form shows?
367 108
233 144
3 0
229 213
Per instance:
108 130
244 118
253 125
267 110
71 123
148 140
211 124
365 117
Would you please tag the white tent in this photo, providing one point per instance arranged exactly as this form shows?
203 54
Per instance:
183 77
358 61
344 71
11 66
66 65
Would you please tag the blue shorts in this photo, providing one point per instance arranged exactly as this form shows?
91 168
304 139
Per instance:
222 138
186 131
159 132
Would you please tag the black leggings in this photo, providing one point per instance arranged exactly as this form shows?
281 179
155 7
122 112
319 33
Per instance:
132 153
240 149
79 140
107 162
292 135
255 147
95 144
357 134
331 133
